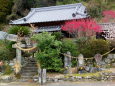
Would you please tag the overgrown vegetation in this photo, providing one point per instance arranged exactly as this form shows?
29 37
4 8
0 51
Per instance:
69 45
93 46
6 51
7 69
5 9
58 35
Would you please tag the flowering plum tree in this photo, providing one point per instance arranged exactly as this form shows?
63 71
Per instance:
83 27
109 16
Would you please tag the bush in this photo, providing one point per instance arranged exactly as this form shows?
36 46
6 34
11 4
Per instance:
19 30
6 52
58 35
93 46
1 26
69 45
7 69
49 51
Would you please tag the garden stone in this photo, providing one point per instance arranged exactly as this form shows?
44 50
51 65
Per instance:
113 64
67 60
87 68
113 56
107 60
79 77
72 78
80 60
88 77
55 80
60 80
93 69
98 58
67 63
59 76
113 60
110 56
35 78
102 63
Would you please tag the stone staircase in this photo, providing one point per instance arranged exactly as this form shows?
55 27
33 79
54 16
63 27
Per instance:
29 70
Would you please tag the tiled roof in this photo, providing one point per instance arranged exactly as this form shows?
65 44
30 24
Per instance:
53 13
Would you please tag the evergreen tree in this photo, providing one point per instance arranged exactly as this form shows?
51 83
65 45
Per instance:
5 9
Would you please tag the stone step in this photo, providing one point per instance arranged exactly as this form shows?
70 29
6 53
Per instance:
30 65
30 68
32 62
25 80
26 77
29 71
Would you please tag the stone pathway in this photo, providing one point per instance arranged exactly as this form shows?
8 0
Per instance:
112 83
19 84
86 83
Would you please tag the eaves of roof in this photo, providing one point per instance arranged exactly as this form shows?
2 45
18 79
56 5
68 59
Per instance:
53 13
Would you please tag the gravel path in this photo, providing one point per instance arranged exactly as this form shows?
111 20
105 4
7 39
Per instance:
82 84
109 83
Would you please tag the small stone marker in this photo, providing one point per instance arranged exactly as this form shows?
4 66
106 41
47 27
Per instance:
98 58
42 76
67 62
80 60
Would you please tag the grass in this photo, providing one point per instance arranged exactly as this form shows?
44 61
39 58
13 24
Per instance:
97 74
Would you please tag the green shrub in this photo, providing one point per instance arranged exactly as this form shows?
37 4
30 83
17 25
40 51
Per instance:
1 26
7 69
58 35
6 52
49 51
93 46
69 45
19 30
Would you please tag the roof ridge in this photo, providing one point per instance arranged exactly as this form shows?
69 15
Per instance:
56 7
37 13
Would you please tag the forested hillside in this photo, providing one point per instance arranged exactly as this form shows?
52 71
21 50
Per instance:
14 9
